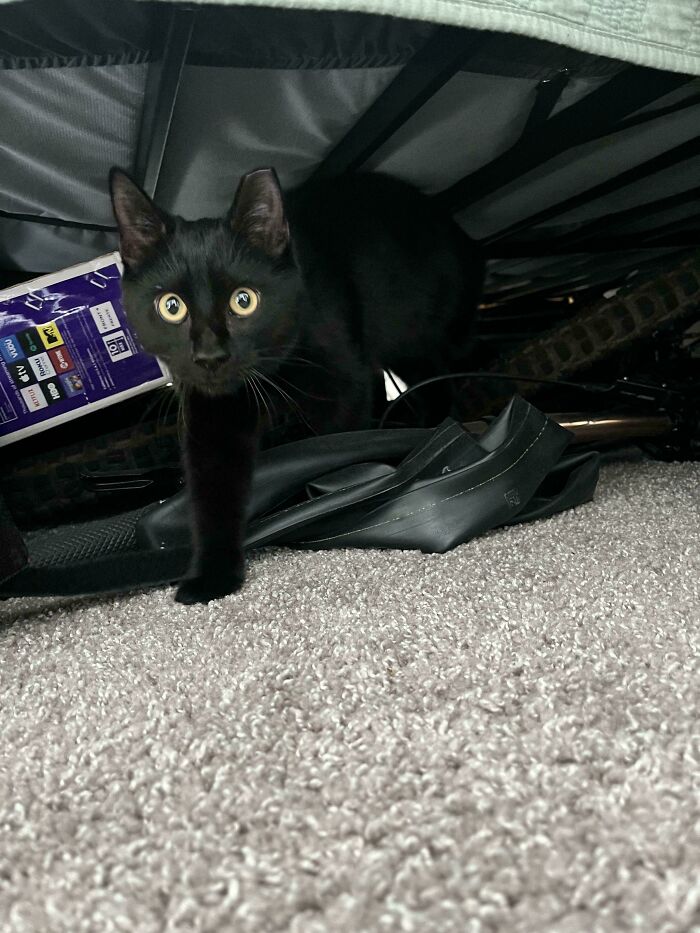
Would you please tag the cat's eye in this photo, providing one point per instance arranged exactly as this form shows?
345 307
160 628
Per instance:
244 301
171 308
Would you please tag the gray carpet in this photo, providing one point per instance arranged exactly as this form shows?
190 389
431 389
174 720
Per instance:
504 738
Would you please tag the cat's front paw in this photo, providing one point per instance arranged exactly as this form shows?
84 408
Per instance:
202 588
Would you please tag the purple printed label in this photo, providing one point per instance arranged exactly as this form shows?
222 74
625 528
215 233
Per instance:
66 346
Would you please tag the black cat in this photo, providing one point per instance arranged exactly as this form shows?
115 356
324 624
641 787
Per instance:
286 307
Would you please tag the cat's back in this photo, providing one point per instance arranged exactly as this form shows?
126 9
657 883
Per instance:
378 252
366 206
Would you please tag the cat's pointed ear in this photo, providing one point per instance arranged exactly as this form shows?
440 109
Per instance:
258 212
141 224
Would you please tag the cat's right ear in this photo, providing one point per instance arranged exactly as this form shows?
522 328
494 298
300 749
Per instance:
258 212
142 226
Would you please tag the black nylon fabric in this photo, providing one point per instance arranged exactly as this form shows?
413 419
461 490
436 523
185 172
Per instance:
60 130
283 87
244 37
428 489
73 33
70 33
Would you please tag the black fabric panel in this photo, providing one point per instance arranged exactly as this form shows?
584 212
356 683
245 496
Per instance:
36 248
60 132
507 279
229 120
60 33
52 33
513 56
260 37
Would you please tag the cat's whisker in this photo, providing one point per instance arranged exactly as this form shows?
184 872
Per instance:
181 398
295 388
251 388
172 399
294 405
264 399
288 358
294 359
260 379
181 417
158 399
163 409
271 403
158 404
247 382
316 398
261 394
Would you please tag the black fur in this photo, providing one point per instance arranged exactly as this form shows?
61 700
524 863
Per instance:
355 275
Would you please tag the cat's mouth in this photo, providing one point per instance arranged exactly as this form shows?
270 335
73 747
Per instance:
221 382
224 380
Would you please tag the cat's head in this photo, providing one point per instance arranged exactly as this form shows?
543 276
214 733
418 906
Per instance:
212 298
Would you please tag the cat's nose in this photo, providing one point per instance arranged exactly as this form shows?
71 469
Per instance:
210 359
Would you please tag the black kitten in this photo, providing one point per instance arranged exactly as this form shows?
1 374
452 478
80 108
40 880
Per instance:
289 309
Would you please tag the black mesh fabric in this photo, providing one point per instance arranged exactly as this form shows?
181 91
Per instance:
72 544
59 33
91 117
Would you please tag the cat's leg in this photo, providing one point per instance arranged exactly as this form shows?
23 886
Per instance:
220 447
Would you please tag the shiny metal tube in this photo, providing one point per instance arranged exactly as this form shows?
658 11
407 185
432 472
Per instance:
601 428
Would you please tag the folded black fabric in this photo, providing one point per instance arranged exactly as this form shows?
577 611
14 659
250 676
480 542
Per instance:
412 489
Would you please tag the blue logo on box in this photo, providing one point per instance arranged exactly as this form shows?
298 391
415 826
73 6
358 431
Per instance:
10 349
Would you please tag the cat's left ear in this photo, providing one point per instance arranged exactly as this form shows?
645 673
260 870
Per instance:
142 226
258 212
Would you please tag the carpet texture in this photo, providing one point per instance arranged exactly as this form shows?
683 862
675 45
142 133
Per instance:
503 738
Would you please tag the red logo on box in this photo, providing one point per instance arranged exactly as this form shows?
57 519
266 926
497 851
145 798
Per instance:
61 360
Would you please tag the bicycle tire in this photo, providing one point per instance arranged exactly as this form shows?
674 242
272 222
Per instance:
599 331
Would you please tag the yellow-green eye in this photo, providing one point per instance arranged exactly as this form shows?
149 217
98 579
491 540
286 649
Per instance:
244 301
171 308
